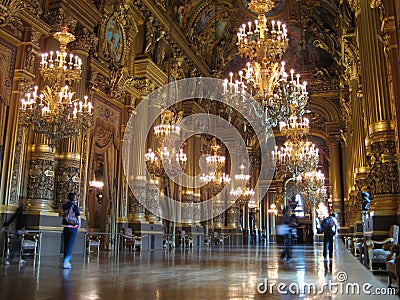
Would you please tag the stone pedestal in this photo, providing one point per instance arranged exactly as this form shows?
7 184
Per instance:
377 227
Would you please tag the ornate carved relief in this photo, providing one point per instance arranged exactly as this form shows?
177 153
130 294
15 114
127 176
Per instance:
84 40
68 179
9 11
41 177
383 176
59 18
354 5
317 121
119 81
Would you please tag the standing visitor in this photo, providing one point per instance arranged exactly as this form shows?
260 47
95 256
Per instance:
71 223
329 228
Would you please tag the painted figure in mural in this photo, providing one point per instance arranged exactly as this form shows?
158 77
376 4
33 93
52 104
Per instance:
114 40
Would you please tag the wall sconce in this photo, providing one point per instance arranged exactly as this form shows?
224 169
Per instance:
98 187
272 209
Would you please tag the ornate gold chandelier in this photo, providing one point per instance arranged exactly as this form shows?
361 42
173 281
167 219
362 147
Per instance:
263 78
55 112
166 156
313 183
295 128
296 157
215 177
242 193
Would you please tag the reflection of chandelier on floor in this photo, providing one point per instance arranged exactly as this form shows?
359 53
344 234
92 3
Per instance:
166 156
54 112
241 193
215 177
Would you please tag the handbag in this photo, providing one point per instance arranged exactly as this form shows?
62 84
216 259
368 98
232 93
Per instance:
70 217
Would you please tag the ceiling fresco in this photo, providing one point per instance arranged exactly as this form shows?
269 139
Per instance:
211 26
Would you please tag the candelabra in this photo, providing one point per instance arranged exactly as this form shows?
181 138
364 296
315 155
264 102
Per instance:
55 112
295 128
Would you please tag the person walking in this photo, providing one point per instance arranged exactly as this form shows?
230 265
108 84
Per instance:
71 223
329 227
287 252
15 228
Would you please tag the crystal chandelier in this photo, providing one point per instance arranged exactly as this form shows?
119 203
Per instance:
296 157
313 183
279 95
261 41
166 156
54 111
295 128
263 78
242 193
215 177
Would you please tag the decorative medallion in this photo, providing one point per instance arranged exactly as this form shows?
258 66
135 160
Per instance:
115 41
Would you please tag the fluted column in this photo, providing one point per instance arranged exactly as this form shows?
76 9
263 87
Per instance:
153 195
334 174
389 9
152 202
41 175
138 174
381 146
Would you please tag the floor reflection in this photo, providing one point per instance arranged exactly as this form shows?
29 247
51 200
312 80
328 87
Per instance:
216 273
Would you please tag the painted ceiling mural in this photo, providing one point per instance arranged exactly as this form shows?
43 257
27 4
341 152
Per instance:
211 26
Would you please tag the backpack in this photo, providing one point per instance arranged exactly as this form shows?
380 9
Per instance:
70 217
328 226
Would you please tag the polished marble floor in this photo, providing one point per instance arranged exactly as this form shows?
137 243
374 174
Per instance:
219 272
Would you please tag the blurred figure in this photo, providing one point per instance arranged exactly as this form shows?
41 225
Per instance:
15 228
286 220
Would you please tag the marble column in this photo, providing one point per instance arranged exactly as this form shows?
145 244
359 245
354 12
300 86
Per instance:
153 194
137 177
